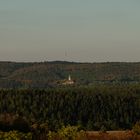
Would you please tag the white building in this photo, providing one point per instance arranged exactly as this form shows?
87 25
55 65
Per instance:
69 81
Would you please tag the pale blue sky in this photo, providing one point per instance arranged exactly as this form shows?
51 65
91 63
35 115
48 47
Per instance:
88 30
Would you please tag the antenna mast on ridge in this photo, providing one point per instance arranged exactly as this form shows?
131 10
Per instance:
66 55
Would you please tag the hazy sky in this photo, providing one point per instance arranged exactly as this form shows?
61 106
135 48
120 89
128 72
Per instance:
87 30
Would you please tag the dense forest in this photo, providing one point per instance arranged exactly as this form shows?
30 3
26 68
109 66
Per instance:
105 96
42 75
102 106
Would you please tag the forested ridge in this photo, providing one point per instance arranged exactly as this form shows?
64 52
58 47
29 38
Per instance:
42 75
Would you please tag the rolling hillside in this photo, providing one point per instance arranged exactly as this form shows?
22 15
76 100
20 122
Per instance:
46 74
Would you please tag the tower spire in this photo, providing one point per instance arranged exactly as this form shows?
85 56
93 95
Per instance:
69 78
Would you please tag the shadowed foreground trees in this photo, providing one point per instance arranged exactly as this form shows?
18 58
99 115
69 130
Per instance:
15 135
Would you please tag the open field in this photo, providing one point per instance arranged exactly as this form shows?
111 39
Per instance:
112 135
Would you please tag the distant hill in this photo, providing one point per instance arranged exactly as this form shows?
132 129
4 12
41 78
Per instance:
46 74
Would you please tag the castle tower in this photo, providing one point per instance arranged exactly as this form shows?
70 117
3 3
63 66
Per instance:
69 78
68 81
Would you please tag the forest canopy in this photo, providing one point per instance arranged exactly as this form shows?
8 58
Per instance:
102 106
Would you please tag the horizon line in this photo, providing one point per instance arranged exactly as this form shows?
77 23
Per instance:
64 61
